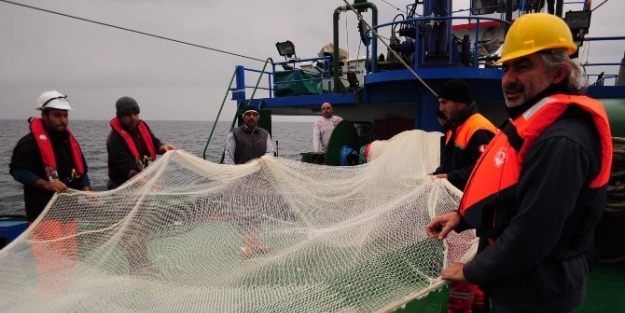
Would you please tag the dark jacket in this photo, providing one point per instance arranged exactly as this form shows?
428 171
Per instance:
27 167
121 164
538 264
466 139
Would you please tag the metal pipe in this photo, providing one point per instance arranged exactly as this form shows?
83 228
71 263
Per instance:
559 7
508 13
240 71
335 26
604 38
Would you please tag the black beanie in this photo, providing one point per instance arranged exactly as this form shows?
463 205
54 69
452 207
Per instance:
456 90
126 105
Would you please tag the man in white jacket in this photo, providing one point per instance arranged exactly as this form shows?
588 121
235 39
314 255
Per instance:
324 127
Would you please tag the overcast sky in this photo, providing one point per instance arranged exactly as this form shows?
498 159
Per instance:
95 65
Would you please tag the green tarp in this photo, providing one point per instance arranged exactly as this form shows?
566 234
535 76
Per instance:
297 83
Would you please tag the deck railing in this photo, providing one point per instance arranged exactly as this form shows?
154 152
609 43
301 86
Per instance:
320 68
423 25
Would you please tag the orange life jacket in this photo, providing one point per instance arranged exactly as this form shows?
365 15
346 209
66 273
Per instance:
145 136
465 131
47 152
499 166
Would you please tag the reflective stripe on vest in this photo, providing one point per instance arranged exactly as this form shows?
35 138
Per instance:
47 152
145 136
499 166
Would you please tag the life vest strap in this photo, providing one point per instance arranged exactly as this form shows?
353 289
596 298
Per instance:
515 140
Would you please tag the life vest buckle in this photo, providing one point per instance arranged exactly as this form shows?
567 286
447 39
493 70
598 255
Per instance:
52 174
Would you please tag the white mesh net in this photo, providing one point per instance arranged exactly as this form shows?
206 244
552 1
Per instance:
273 235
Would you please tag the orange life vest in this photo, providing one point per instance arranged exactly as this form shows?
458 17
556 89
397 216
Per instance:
47 152
145 136
499 166
465 131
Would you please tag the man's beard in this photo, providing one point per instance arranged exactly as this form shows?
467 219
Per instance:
519 90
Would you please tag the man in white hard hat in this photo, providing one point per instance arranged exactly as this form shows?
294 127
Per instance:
46 161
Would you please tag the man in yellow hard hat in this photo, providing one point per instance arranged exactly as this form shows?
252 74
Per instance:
539 189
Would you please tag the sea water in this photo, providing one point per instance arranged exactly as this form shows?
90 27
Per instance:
289 138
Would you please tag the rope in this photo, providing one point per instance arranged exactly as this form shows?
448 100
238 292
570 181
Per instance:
360 18
132 30
347 42
396 8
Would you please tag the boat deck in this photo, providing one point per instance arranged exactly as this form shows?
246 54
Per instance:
606 294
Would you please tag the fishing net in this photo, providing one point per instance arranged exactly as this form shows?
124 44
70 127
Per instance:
273 235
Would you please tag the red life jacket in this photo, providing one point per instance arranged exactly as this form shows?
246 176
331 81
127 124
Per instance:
47 152
145 136
499 166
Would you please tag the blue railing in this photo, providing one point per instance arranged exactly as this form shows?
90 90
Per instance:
601 79
322 65
239 92
325 74
604 79
427 21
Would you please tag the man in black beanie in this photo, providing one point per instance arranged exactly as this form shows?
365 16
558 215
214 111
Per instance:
131 145
467 132
467 135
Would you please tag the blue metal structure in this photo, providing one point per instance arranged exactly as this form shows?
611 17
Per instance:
432 50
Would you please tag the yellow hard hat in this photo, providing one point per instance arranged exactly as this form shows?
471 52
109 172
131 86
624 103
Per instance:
535 32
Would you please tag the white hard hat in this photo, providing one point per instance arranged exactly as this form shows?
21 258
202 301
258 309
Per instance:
52 100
